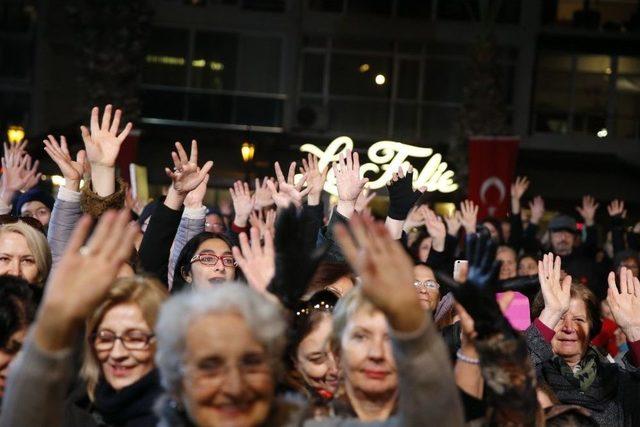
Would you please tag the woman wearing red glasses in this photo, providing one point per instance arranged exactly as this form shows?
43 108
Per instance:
205 260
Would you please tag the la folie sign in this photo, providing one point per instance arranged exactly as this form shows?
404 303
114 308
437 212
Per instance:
384 159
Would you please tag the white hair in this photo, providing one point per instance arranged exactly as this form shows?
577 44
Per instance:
263 317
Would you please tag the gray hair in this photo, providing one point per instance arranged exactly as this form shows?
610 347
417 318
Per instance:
263 317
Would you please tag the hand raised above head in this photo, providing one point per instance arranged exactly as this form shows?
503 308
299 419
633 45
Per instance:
102 140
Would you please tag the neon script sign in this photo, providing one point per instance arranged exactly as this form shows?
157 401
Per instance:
385 158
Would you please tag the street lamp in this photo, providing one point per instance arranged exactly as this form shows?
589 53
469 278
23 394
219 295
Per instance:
15 134
247 150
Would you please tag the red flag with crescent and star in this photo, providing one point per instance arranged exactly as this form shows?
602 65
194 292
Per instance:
492 164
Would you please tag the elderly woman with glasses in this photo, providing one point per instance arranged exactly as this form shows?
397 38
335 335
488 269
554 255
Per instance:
427 287
220 349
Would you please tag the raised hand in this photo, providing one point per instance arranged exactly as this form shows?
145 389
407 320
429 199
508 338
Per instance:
616 208
363 200
415 218
256 260
625 302
86 272
243 202
348 181
517 190
386 271
555 291
18 174
263 195
102 141
454 222
71 170
537 210
401 194
195 197
469 216
315 178
263 222
288 187
588 210
186 175
435 227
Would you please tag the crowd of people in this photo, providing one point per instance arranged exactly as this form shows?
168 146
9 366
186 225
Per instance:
281 312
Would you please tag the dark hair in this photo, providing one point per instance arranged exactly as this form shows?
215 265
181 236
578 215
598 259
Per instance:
496 223
183 264
622 256
581 292
328 273
414 249
305 320
569 416
17 308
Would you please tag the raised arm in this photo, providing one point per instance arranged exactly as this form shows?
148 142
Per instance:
18 174
40 376
428 395
66 210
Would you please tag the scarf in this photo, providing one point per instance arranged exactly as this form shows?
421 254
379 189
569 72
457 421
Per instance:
132 405
585 372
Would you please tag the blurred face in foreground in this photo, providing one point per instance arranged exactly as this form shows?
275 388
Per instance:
126 359
314 361
572 333
228 379
366 358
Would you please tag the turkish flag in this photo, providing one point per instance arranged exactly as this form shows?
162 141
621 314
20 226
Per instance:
492 164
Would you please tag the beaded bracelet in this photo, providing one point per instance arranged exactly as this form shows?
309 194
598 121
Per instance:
466 359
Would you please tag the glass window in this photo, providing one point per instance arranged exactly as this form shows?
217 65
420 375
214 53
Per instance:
214 61
259 59
359 117
553 93
239 110
591 93
15 59
163 104
469 10
264 5
166 59
413 9
312 72
335 6
444 80
628 98
362 43
16 16
360 75
405 121
408 79
14 110
378 7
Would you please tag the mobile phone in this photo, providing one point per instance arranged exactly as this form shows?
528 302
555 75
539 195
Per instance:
460 269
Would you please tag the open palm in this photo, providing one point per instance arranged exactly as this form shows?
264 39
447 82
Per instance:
103 141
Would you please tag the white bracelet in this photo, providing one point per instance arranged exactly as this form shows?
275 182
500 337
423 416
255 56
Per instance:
466 359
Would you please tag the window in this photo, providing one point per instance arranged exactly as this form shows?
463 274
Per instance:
584 93
229 78
14 110
360 75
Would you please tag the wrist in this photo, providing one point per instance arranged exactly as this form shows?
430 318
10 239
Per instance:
103 180
550 317
174 199
589 222
313 199
346 208
437 243
241 220
632 333
515 206
535 220
55 329
407 317
72 184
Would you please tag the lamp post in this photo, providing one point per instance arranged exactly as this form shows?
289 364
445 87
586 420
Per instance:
247 150
15 134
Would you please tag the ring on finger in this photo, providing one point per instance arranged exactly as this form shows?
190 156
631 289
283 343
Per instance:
85 251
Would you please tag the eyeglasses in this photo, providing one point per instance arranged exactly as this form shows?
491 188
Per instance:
131 340
211 260
426 284
211 372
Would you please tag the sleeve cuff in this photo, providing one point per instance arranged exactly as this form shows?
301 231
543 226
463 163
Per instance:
195 213
67 195
546 332
634 349
237 229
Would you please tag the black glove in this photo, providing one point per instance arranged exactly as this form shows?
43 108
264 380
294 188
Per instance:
402 197
477 294
526 285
